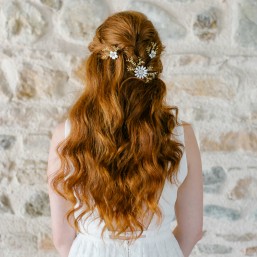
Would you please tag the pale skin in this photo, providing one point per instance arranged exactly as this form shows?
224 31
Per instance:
63 234
188 206
189 203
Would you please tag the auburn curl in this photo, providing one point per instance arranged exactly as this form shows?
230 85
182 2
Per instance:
121 147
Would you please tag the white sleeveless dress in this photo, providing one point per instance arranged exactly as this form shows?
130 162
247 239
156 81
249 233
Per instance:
157 241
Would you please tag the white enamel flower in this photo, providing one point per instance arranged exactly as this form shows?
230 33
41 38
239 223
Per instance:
113 54
152 54
141 72
152 50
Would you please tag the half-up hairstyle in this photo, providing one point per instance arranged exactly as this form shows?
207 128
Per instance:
121 148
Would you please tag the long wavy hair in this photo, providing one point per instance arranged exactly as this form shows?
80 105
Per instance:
121 147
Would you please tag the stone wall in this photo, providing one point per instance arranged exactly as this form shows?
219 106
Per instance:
210 69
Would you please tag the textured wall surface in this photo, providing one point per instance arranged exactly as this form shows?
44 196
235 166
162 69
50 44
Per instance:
210 69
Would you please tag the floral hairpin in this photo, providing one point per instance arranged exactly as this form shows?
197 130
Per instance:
140 70
152 50
110 53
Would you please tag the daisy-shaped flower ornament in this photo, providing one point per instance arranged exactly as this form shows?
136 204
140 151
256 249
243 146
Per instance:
113 55
152 54
152 50
140 71
110 52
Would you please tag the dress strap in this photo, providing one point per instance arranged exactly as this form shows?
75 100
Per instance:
183 168
179 132
67 127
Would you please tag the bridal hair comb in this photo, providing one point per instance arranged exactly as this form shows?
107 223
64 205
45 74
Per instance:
152 50
141 71
111 52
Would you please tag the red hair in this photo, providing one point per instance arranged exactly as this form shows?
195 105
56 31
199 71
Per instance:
121 144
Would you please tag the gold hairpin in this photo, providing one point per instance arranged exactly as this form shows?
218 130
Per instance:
152 50
141 71
112 53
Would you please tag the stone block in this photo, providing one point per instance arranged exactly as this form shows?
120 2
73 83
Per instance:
32 172
250 251
79 19
165 23
26 87
246 33
245 189
231 141
33 117
210 111
205 85
246 237
5 91
40 82
6 168
45 243
55 4
19 241
220 212
188 61
7 142
206 25
214 249
23 22
214 179
216 175
37 205
182 1
5 206
36 144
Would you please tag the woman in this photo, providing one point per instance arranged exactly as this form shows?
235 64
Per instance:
125 165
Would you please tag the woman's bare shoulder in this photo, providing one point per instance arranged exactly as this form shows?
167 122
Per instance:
188 129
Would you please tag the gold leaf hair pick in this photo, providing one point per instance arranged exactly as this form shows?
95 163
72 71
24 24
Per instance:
152 50
110 52
141 71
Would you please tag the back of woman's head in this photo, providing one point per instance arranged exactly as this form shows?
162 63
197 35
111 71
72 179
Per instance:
132 33
121 144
